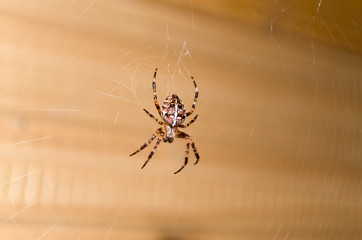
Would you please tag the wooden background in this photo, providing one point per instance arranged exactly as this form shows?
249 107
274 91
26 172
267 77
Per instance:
279 127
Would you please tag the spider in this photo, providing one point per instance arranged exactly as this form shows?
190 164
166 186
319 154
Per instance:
173 114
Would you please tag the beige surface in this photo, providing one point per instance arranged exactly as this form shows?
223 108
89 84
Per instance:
279 128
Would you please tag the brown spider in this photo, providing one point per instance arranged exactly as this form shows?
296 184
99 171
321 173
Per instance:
173 114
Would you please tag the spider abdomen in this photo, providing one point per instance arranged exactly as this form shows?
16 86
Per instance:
173 111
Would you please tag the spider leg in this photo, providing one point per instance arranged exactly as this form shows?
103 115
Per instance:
189 141
158 131
186 158
195 152
153 117
153 151
155 93
188 124
195 98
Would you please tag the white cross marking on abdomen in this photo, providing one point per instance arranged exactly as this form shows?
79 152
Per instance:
175 116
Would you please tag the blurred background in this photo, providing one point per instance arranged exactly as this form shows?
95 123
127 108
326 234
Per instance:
279 130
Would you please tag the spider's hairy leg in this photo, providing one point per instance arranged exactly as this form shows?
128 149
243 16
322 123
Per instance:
155 93
153 151
189 141
158 131
153 117
195 98
188 124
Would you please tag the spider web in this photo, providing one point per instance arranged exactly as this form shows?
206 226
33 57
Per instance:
76 75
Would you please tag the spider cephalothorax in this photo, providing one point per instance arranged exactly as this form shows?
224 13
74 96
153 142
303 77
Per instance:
173 114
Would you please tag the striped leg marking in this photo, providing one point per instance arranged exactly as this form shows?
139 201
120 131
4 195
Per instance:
195 98
188 124
155 93
195 152
158 131
152 152
153 117
186 158
189 142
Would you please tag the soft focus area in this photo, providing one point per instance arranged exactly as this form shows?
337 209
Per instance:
279 128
